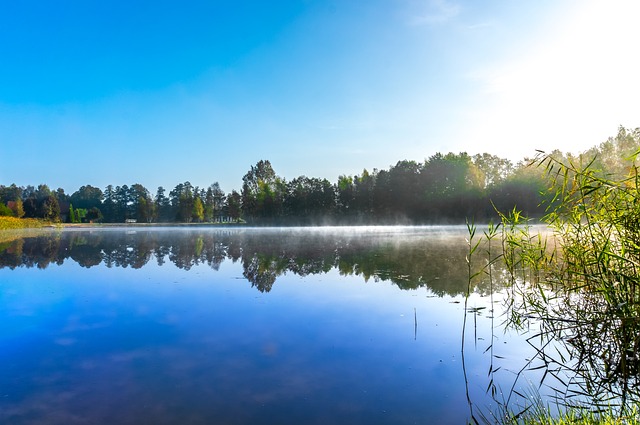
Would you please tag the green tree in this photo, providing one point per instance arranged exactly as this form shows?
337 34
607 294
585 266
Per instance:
50 208
17 208
63 198
345 194
234 205
363 187
494 169
451 187
30 207
10 193
72 215
197 212
122 204
209 205
611 158
214 201
403 189
383 197
262 192
11 197
523 190
182 201
109 204
445 175
309 198
94 215
81 215
42 203
144 210
142 204
219 199
87 197
5 211
163 206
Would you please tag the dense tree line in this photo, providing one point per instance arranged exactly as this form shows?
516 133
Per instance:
444 188
448 187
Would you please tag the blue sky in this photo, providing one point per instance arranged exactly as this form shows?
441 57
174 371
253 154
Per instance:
160 92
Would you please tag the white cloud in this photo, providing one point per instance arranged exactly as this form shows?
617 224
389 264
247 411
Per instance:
435 12
570 91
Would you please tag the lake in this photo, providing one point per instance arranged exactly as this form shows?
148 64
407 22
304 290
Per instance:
203 325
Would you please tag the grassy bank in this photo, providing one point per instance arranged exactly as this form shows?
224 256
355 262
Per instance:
12 228
7 223
577 417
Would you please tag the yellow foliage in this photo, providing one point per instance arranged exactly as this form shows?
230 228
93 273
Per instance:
20 223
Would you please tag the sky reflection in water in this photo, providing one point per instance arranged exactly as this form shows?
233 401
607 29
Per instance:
171 344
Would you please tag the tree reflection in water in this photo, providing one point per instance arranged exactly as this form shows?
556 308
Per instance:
419 257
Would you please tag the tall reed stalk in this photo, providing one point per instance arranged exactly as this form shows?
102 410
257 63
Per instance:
583 289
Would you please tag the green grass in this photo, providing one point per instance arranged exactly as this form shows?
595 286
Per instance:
539 413
7 223
578 417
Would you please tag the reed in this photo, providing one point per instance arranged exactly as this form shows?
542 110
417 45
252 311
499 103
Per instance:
581 284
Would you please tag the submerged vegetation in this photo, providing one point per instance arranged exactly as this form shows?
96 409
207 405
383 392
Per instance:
580 287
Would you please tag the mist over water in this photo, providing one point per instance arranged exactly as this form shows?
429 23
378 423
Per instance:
410 257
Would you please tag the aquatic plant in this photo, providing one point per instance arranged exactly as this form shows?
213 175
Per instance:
581 286
577 282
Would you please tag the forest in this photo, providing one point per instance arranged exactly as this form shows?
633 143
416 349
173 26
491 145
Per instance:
445 188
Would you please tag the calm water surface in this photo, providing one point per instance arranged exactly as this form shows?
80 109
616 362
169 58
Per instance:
246 326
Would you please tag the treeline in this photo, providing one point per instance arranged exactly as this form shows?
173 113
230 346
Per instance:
444 188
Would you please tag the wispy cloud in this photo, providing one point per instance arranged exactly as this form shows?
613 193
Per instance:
435 12
480 25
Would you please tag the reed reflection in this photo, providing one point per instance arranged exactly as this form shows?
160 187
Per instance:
581 322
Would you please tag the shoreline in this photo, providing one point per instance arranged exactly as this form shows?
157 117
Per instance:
99 225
